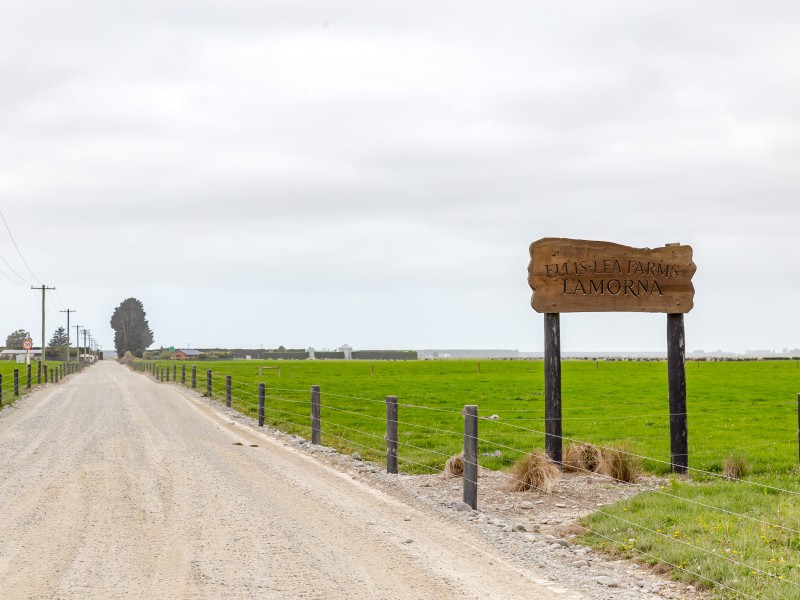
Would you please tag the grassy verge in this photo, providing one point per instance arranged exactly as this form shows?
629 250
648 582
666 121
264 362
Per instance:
753 549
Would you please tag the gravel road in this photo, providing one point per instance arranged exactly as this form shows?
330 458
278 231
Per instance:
113 486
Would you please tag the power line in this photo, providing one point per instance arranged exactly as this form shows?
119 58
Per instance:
11 235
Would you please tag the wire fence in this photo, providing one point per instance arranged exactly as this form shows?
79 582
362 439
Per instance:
354 423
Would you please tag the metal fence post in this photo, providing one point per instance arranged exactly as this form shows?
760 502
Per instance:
315 414
391 434
471 456
261 396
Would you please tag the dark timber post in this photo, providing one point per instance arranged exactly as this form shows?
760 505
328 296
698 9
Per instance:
228 386
1 389
261 396
208 382
676 368
39 373
28 384
471 456
183 374
552 387
175 372
44 368
315 414
194 376
167 373
16 382
391 434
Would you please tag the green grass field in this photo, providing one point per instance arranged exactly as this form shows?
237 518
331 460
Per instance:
752 550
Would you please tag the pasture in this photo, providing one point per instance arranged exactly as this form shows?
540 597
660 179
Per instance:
746 407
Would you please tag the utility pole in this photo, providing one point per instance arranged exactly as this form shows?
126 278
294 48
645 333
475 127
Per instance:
44 288
69 310
78 341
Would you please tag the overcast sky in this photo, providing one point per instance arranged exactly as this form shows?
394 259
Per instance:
319 173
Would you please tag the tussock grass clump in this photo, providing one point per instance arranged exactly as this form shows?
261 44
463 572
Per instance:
533 472
619 463
582 457
454 467
735 466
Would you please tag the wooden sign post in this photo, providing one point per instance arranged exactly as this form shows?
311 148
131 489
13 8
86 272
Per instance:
588 276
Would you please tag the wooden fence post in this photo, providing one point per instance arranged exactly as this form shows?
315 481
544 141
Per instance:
44 368
391 434
16 382
194 376
676 368
552 387
1 389
315 414
167 372
261 396
183 374
175 372
228 386
208 383
39 373
28 384
471 456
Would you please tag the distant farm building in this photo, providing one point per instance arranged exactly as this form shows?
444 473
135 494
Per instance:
19 355
185 354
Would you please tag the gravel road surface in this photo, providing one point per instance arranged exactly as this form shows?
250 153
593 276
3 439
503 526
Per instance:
113 486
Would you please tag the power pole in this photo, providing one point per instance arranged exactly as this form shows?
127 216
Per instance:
69 310
78 341
44 288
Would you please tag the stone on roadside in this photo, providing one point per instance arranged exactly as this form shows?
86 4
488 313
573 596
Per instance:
462 506
607 581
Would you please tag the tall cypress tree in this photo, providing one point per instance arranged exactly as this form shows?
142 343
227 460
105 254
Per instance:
131 330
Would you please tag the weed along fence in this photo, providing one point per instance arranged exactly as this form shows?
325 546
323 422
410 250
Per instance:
718 530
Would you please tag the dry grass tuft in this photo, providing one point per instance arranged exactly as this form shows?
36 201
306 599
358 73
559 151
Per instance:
735 466
619 463
582 457
454 467
534 472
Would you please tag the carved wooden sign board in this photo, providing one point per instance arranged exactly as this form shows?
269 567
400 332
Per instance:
587 276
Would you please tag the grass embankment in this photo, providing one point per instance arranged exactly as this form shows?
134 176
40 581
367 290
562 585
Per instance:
747 408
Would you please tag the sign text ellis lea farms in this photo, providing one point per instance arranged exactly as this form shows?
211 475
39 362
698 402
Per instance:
587 276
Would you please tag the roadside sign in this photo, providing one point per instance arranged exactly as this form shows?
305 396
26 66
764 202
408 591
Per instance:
172 348
27 344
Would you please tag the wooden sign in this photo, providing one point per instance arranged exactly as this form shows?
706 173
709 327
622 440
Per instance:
587 276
